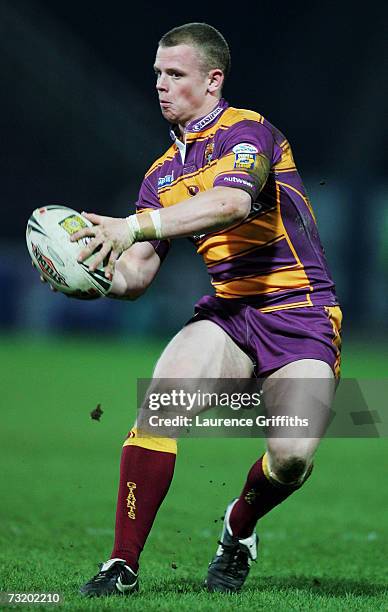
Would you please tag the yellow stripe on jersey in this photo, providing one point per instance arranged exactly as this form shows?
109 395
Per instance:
286 162
304 198
242 253
307 302
205 176
276 280
168 156
257 232
233 115
335 317
202 178
233 227
285 232
207 134
188 177
226 120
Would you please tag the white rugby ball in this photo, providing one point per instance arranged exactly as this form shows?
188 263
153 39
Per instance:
48 240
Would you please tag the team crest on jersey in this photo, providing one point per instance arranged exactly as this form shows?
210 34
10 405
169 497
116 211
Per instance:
47 266
245 156
193 189
166 180
209 151
72 224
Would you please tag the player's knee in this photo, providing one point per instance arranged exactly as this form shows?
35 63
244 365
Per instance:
289 468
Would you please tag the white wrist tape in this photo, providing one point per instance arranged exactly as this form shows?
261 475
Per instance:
134 227
157 222
135 231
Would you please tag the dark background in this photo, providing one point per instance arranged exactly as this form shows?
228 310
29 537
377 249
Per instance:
80 125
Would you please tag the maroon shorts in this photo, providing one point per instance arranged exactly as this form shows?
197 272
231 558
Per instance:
274 339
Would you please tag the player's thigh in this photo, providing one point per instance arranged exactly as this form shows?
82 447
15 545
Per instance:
200 357
302 391
203 350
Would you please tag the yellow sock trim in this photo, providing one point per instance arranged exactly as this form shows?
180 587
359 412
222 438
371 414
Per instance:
265 466
155 443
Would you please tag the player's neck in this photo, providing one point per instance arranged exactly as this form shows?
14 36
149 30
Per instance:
205 109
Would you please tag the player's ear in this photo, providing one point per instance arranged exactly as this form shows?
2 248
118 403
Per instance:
215 80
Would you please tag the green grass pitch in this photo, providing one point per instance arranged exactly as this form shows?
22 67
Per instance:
324 549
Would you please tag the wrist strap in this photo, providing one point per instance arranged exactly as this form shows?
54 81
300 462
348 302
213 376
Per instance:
157 222
149 229
134 228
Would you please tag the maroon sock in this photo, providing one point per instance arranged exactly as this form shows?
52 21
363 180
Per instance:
259 495
145 477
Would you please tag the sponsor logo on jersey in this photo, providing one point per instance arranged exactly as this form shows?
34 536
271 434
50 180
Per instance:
73 224
166 180
131 500
234 179
47 266
245 147
197 127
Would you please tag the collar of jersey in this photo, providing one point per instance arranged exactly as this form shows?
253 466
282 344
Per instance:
199 125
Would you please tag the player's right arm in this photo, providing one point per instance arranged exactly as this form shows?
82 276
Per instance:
134 271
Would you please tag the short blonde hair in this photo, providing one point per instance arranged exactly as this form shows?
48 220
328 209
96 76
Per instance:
212 46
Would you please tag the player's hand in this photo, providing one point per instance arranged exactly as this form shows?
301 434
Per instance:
110 235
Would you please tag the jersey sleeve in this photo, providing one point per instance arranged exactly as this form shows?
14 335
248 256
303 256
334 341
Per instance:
239 156
148 200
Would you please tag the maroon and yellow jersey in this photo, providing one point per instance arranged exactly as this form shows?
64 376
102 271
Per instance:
273 258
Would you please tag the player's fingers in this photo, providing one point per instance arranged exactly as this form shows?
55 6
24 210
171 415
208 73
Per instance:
110 268
83 233
95 219
99 258
90 248
53 289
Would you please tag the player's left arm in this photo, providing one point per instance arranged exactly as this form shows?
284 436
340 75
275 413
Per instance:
205 212
240 173
217 208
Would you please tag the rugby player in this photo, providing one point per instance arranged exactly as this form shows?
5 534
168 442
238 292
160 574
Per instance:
229 182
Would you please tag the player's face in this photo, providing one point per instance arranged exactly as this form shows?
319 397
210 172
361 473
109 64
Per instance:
184 90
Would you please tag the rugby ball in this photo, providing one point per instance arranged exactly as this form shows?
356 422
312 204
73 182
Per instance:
48 241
